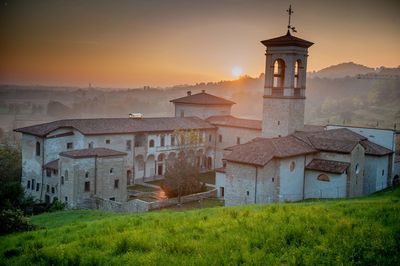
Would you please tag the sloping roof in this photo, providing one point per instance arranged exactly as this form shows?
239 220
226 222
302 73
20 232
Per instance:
51 165
374 149
231 121
329 166
287 40
203 98
101 126
261 150
95 152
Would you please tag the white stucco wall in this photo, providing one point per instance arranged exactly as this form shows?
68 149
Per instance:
291 182
376 173
314 188
202 111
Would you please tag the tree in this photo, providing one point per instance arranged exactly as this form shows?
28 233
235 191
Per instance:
181 177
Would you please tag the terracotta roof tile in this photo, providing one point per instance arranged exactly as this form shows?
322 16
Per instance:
101 126
95 152
329 166
261 150
51 165
203 98
374 149
231 121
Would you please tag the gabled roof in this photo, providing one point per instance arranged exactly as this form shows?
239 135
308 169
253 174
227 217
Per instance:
287 40
374 149
261 150
328 166
102 126
95 152
203 98
51 165
231 121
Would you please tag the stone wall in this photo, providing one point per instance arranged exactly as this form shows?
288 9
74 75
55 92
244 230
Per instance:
335 188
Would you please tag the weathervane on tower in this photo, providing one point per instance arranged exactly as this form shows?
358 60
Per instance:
290 12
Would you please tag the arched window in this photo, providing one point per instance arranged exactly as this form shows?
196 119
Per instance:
292 166
323 177
87 175
161 157
162 141
279 73
297 67
37 148
151 143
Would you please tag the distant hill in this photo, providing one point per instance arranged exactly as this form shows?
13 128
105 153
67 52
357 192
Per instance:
342 70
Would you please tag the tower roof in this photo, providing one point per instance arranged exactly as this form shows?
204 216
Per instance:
203 98
287 40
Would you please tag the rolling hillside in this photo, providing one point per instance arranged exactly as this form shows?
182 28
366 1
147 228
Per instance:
358 231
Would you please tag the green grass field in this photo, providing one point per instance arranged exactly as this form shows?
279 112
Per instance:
364 231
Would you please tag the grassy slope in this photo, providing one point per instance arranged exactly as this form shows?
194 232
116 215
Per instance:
365 231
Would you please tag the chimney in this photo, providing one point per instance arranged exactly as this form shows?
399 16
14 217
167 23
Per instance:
189 93
203 91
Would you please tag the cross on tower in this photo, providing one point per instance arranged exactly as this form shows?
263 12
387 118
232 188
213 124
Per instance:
290 12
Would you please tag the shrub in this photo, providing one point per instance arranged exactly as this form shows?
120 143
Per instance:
13 221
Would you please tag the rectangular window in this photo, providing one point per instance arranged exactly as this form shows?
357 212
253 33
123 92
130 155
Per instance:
222 191
53 190
66 199
113 198
47 188
116 183
62 180
129 145
48 172
29 184
209 138
220 138
87 186
33 184
55 172
238 140
172 140
108 141
162 141
70 145
37 186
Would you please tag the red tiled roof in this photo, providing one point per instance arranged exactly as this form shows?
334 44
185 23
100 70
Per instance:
287 40
203 98
95 152
261 150
51 165
231 121
102 126
328 166
374 149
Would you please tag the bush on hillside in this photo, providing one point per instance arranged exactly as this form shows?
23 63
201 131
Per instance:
13 220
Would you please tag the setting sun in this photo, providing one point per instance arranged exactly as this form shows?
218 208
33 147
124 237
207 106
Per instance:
237 71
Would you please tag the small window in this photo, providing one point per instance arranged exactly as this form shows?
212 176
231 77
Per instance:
323 177
52 190
273 180
28 185
222 191
162 141
279 122
357 169
37 186
238 140
87 186
113 198
220 138
55 172
248 193
62 180
37 148
48 172
292 166
172 140
33 184
209 138
87 175
129 145
66 199
111 170
182 113
108 141
47 188
91 145
383 172
151 143
70 145
116 183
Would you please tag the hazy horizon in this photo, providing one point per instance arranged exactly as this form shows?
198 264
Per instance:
165 43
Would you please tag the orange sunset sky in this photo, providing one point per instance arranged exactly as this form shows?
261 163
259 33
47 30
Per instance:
169 42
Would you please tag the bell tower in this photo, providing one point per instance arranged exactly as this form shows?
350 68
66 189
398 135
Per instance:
285 84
